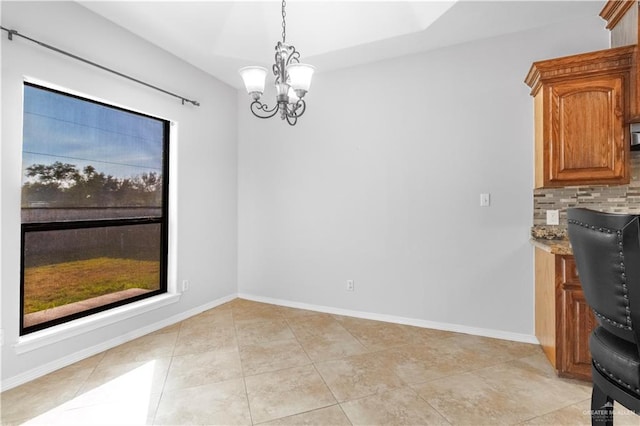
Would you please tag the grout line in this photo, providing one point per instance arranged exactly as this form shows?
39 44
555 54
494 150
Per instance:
447 419
86 379
246 393
242 370
325 383
302 412
345 414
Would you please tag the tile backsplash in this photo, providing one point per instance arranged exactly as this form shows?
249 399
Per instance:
617 199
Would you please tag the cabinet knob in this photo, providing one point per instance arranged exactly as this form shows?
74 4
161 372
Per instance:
618 112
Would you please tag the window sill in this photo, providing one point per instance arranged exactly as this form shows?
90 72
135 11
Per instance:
84 325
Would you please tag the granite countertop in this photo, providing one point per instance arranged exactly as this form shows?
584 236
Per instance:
559 246
552 239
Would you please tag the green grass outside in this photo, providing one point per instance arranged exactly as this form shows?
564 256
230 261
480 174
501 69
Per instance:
49 286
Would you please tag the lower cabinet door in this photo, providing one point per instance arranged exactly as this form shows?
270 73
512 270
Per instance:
578 322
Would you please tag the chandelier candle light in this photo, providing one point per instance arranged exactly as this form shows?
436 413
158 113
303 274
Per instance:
292 82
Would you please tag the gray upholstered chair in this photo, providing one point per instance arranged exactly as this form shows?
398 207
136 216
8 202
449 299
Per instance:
607 251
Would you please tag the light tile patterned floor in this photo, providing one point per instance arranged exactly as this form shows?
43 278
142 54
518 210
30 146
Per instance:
247 363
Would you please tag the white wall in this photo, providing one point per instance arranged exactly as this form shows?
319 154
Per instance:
206 153
380 182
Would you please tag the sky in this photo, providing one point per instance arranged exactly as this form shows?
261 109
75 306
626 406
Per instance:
75 131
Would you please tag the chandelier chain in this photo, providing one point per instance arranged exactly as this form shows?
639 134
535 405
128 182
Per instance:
284 24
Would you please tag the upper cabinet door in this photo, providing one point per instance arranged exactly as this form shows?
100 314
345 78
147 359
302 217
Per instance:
581 109
585 132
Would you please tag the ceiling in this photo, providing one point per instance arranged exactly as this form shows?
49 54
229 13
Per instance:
220 37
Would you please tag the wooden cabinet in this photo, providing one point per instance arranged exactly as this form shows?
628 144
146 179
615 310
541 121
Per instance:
581 108
563 318
623 20
576 322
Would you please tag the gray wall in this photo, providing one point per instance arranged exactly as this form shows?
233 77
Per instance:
203 215
380 180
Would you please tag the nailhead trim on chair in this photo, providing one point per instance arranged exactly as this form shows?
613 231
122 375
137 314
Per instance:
604 370
623 280
613 323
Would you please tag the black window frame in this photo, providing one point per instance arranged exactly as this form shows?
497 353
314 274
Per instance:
163 220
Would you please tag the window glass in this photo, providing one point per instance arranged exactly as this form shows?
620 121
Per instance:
94 207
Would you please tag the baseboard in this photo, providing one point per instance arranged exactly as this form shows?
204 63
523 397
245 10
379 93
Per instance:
457 328
94 350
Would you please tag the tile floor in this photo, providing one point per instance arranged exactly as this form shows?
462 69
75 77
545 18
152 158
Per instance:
247 363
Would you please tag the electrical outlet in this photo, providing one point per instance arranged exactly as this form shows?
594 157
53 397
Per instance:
350 285
553 217
185 285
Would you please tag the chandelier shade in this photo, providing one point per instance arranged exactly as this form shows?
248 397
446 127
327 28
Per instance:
254 78
292 82
300 76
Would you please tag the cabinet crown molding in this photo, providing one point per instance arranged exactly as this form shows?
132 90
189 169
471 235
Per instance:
584 64
614 10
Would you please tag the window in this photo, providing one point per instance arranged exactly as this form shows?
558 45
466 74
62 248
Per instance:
94 207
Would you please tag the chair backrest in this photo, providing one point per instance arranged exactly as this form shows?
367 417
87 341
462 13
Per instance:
606 248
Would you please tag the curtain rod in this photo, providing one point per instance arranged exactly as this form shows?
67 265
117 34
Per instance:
12 33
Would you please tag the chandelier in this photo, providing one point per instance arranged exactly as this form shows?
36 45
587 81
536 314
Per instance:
292 81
